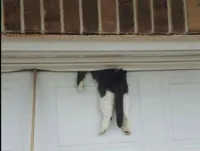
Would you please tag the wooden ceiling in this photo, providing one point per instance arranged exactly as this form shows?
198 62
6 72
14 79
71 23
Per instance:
101 16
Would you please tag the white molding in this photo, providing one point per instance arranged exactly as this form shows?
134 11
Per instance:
141 38
97 46
92 54
90 67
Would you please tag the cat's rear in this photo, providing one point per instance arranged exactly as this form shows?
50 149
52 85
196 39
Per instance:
112 87
80 78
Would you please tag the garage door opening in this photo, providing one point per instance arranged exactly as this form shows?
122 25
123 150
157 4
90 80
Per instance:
164 113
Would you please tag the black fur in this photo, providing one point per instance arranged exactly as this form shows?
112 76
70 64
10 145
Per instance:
113 80
80 77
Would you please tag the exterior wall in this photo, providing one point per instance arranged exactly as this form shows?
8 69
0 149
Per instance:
61 53
164 105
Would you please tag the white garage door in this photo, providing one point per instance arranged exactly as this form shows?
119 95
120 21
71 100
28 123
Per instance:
16 100
165 114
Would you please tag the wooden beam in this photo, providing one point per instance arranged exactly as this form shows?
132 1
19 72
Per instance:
33 110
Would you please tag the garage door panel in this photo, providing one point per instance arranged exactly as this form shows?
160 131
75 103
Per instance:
74 107
163 116
182 76
9 117
72 119
151 112
185 106
54 79
68 79
181 106
104 147
16 111
77 116
63 79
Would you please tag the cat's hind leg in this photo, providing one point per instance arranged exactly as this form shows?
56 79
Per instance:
80 78
106 106
81 86
126 105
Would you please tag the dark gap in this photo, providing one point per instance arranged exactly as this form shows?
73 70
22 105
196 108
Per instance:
144 16
193 12
178 20
71 16
126 16
52 16
108 16
160 16
32 17
12 15
90 16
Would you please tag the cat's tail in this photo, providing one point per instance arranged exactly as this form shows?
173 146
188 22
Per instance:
119 104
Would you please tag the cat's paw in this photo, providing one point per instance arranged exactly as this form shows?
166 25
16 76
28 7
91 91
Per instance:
126 130
81 86
103 131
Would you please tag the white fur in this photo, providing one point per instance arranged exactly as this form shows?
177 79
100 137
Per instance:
81 86
126 104
126 107
106 106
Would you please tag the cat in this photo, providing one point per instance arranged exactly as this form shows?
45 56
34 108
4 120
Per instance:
113 91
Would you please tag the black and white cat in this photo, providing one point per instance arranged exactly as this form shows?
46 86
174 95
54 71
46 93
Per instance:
113 91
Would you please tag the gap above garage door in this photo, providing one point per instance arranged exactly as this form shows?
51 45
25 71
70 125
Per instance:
72 53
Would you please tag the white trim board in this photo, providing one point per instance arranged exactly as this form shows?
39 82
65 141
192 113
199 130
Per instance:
69 54
94 43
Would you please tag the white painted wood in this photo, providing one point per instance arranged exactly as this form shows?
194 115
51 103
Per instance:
171 110
87 60
62 23
99 17
135 16
16 90
100 44
145 53
2 17
81 16
181 108
69 120
169 14
165 109
152 16
22 19
42 15
134 66
186 16
117 17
